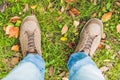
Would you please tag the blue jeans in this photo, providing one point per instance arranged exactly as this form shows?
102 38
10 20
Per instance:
32 67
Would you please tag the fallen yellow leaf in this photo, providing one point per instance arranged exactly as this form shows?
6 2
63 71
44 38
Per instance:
106 16
34 6
63 39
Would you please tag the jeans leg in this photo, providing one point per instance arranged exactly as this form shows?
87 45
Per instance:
82 67
32 67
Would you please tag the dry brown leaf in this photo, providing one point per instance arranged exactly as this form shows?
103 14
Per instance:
59 19
103 40
7 29
117 54
75 11
59 12
67 7
3 7
64 29
107 47
118 28
13 32
107 16
110 65
15 48
14 19
65 78
26 8
91 0
117 3
14 61
68 1
94 15
70 12
17 55
100 46
104 69
62 9
71 44
62 74
103 36
118 0
51 71
76 23
16 0
5 61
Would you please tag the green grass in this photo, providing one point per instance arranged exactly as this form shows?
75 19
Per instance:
56 52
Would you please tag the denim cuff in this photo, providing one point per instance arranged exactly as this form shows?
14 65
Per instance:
79 58
36 59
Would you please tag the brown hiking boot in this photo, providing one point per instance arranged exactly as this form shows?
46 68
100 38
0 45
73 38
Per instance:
90 37
30 36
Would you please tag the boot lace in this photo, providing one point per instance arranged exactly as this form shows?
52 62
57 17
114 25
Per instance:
89 43
31 44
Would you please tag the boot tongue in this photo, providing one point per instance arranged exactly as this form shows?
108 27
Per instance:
31 51
87 51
